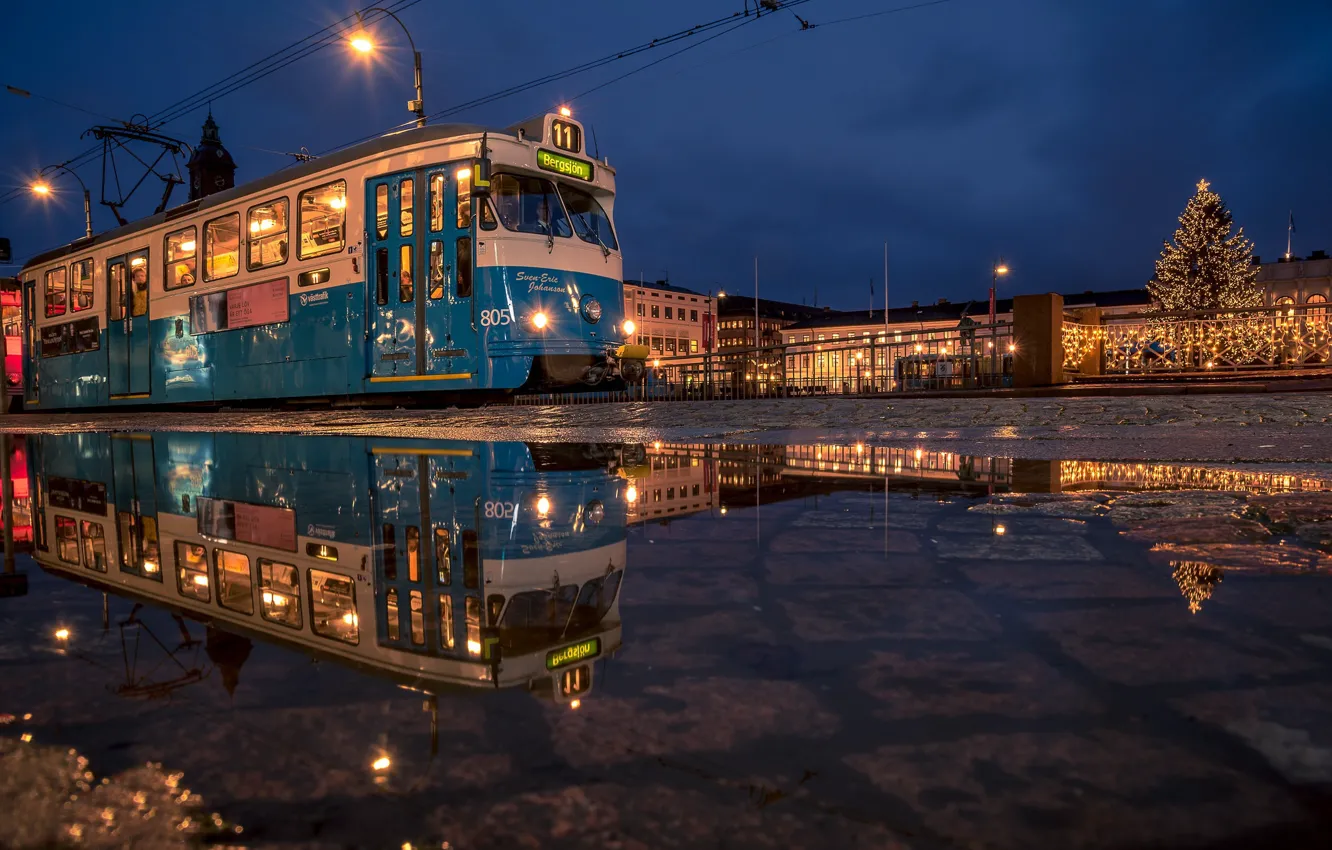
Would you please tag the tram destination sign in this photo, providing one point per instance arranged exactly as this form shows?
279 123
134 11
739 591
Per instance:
580 651
567 165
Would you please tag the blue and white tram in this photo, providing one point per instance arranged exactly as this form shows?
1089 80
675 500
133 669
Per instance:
446 258
438 564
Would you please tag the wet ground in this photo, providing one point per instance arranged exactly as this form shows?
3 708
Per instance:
882 644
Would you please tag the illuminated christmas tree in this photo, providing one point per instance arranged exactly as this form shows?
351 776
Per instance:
1205 267
1196 581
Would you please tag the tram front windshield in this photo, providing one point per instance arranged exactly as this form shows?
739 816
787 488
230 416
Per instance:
589 219
538 619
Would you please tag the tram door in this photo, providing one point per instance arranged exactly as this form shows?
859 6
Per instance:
128 344
420 264
452 351
135 505
33 349
394 263
427 553
402 564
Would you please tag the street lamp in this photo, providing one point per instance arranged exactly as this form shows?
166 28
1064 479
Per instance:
41 187
999 269
361 42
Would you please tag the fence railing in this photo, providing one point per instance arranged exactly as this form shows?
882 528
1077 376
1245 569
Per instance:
1283 337
972 358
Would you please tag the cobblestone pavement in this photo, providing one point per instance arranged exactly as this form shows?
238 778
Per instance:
1263 427
801 675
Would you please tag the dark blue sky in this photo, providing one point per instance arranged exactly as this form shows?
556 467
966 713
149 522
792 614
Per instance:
1065 135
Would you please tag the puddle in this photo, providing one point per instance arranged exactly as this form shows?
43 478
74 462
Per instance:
351 641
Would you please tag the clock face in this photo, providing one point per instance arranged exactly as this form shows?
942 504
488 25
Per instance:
219 181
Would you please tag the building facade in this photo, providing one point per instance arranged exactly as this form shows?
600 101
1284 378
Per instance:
1297 280
671 320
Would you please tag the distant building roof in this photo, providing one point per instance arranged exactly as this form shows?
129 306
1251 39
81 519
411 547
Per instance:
743 305
662 286
949 311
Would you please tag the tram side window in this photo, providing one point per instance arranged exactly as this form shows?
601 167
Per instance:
222 247
54 286
443 557
416 605
323 219
390 552
471 560
472 612
268 234
436 270
192 571
139 284
81 286
406 288
280 593
94 546
464 204
445 621
115 276
406 204
590 221
530 205
67 540
180 252
235 586
391 614
436 197
413 535
381 211
463 278
381 276
333 607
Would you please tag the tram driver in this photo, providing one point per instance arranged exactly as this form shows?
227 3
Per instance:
139 290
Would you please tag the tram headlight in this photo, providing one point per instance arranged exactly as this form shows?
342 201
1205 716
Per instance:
543 506
631 494
629 327
591 309
596 511
539 321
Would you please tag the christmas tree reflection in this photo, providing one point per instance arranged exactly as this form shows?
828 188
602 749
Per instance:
1196 579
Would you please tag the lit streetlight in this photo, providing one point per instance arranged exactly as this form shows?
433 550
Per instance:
361 42
41 187
1000 268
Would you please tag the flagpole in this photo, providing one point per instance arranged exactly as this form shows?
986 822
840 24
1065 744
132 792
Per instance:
885 292
1290 228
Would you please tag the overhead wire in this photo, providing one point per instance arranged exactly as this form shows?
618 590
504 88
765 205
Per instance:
584 67
251 73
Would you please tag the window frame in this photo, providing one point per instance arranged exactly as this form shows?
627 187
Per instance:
314 623
85 525
168 261
295 594
342 225
47 276
554 192
208 254
92 289
180 570
78 546
285 234
218 552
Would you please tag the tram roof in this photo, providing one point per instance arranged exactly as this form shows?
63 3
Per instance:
382 144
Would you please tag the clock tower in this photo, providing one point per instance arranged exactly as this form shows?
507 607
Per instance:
211 167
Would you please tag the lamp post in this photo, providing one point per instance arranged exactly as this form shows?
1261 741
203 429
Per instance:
43 188
999 269
361 42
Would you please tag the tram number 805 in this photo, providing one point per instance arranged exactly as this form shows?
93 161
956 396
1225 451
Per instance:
494 318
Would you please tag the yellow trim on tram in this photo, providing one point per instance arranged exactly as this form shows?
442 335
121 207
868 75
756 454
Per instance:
456 376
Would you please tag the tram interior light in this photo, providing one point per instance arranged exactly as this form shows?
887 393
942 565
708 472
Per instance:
187 246
463 173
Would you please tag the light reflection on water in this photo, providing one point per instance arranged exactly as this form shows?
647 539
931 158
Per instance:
820 643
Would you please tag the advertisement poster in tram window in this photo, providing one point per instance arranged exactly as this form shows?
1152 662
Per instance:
243 307
72 494
261 525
